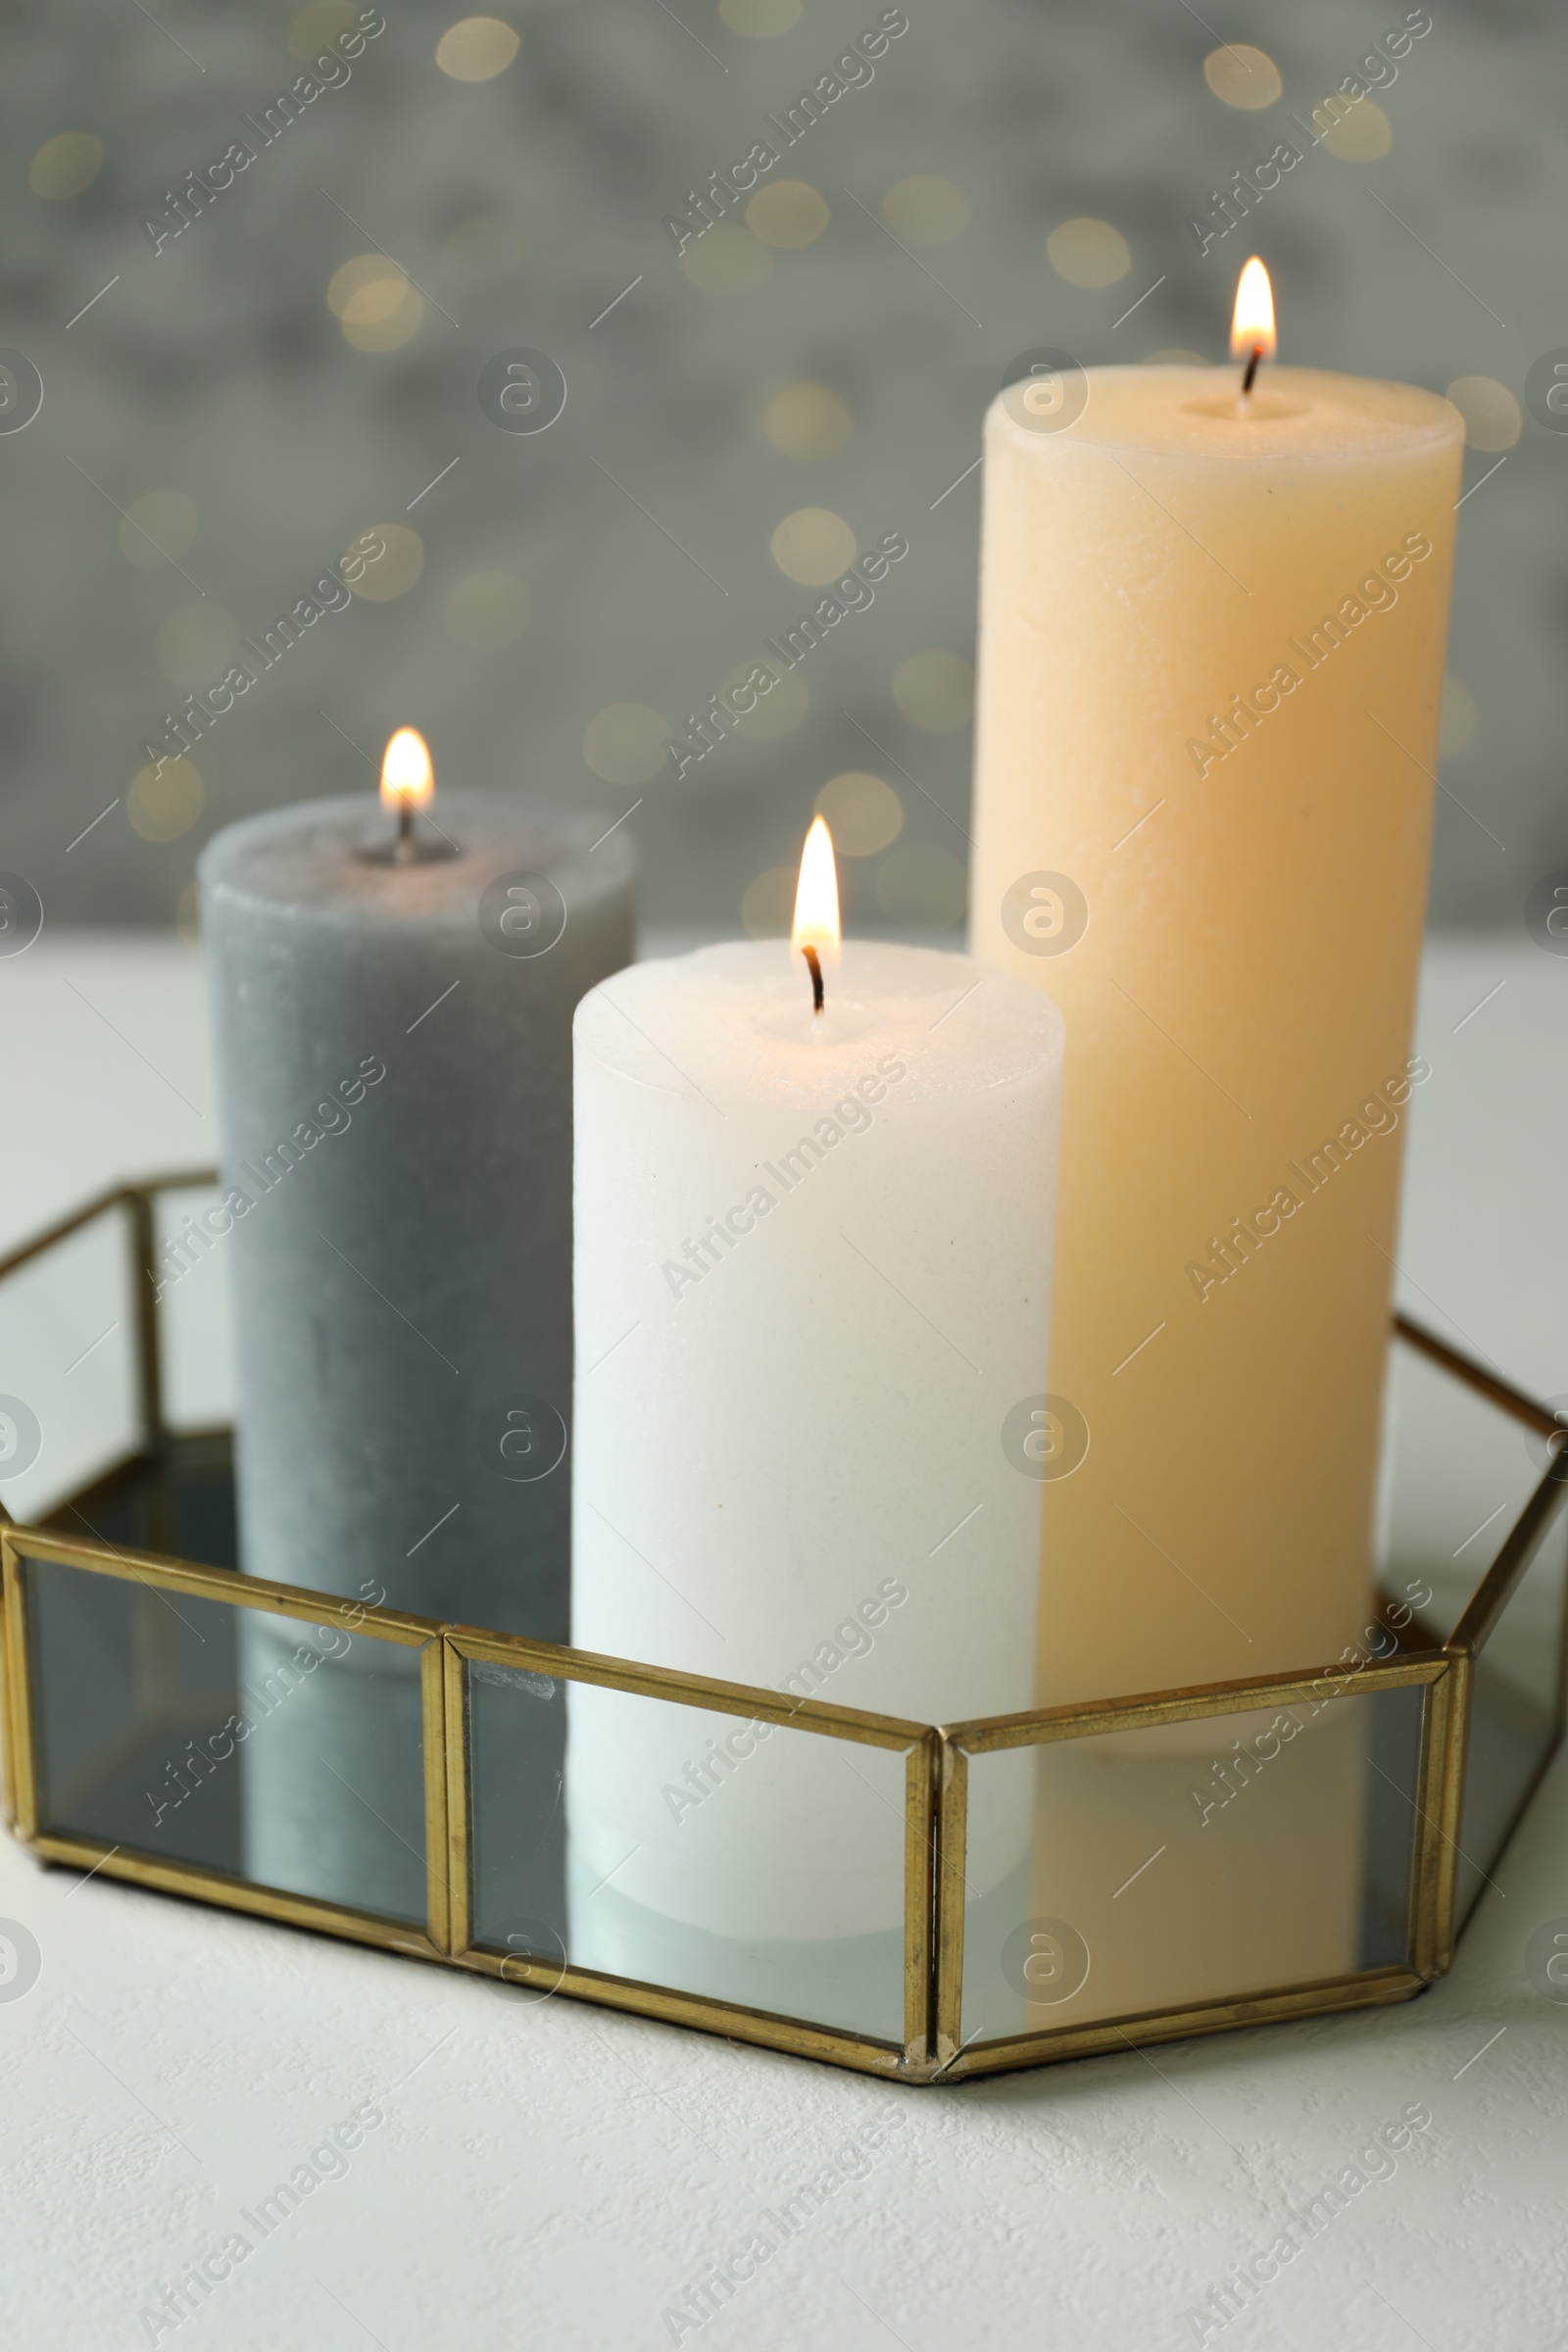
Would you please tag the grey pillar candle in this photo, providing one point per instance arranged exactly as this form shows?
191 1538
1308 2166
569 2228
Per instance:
394 1042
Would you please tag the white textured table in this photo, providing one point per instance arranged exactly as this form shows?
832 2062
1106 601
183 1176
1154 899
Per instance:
550 2174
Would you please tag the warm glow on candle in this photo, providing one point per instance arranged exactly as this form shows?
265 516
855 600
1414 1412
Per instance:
816 896
408 779
1252 325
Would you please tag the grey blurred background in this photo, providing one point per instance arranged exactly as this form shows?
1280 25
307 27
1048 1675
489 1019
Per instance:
223 415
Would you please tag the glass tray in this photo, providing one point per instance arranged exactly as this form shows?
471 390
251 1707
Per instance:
917 1901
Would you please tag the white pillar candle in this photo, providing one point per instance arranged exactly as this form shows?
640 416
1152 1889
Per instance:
813 1282
1210 663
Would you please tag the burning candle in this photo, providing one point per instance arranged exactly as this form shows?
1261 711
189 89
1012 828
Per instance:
1211 649
1252 337
393 996
813 1263
407 784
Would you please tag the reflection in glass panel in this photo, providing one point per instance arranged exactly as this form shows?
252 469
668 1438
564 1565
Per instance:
133 1693
750 1862
1513 1716
180 1503
288 1753
67 1386
517 1732
1194 1861
1456 1473
334 1764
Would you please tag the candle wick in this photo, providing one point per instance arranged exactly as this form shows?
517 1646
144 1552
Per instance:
813 963
403 846
1252 368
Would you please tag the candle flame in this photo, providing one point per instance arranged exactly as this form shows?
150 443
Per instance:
1252 325
408 779
816 896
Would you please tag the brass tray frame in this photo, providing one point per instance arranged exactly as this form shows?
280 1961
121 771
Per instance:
936 1756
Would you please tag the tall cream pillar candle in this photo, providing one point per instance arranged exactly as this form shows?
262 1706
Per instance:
1211 655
